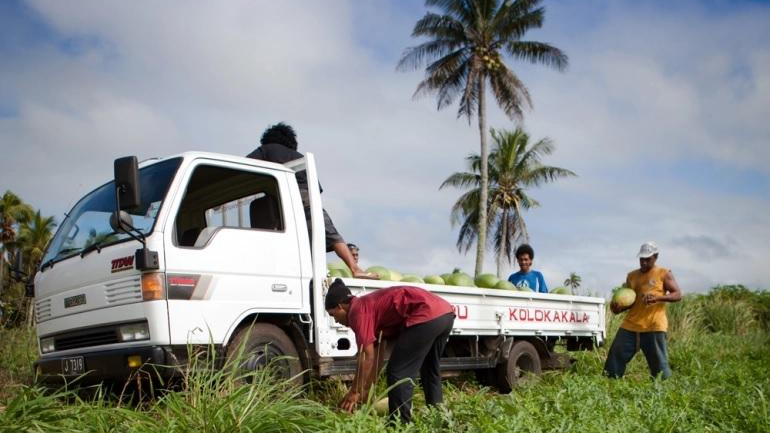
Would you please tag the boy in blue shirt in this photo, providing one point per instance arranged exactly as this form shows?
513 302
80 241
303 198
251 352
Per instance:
527 277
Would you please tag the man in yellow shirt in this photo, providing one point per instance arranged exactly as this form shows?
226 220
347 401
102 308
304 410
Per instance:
646 324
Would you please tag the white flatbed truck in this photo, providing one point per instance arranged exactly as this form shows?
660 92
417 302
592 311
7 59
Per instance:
211 250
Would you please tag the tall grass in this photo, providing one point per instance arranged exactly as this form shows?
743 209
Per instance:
18 352
719 354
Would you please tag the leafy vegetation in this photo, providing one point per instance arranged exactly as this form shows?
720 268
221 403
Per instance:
24 235
719 351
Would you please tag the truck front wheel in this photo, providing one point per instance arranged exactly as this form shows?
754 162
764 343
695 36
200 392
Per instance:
522 364
264 345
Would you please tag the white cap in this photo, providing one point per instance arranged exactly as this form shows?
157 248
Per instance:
648 249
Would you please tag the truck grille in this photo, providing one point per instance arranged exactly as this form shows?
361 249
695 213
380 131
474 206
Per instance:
123 291
43 310
87 338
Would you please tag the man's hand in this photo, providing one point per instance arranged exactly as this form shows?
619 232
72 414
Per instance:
650 299
350 402
616 308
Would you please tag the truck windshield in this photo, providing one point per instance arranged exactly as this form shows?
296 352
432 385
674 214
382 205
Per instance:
88 224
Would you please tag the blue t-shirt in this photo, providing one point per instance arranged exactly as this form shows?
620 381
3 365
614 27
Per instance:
533 280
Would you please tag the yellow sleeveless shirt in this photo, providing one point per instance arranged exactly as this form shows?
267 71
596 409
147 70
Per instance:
642 317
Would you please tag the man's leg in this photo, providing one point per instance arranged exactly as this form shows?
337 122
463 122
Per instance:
430 372
655 349
622 351
409 352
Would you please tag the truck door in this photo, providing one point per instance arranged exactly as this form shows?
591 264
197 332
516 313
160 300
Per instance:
234 249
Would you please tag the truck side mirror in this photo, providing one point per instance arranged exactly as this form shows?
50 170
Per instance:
121 222
127 183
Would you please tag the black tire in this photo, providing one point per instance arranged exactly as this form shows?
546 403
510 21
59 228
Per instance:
522 366
261 344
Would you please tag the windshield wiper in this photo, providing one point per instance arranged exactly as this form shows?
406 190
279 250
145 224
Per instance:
49 263
94 246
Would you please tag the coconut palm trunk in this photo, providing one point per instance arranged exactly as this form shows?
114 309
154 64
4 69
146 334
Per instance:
503 243
482 227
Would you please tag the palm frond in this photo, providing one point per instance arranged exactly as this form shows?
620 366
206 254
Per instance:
459 9
512 23
538 53
510 92
441 27
461 180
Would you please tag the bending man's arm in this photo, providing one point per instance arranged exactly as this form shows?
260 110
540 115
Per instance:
366 373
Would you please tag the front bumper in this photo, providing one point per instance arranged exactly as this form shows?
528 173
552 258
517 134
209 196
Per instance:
161 362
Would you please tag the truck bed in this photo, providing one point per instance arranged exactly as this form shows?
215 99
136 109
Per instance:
493 312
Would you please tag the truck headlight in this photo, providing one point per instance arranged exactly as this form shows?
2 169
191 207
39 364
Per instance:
47 345
134 332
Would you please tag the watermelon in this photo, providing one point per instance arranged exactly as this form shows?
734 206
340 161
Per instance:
335 273
411 278
460 279
381 272
395 275
505 285
446 277
624 297
488 281
434 279
560 291
381 406
341 267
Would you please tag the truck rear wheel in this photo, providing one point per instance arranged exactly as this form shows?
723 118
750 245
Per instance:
522 364
264 345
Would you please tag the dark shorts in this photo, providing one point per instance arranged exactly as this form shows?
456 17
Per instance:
332 235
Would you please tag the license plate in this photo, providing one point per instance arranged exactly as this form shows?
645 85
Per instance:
73 366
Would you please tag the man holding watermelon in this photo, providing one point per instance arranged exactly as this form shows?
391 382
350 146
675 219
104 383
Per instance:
646 323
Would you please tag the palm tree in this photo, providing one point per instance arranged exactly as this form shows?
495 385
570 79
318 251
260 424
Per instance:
573 282
468 41
12 212
34 236
514 165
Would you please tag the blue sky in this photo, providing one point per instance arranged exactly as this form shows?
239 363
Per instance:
663 113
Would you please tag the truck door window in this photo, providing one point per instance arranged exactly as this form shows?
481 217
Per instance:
225 197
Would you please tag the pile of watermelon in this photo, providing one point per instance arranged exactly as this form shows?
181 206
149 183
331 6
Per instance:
455 278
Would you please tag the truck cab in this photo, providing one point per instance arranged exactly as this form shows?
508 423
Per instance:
231 243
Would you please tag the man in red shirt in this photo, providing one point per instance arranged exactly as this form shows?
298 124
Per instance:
416 321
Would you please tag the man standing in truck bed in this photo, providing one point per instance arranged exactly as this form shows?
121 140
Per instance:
416 321
279 144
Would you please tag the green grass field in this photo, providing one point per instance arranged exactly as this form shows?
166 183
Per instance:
719 352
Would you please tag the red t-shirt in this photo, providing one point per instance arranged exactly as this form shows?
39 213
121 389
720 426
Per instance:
386 312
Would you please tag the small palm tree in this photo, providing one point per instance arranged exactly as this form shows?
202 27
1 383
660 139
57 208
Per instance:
573 282
34 237
514 166
12 212
468 42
